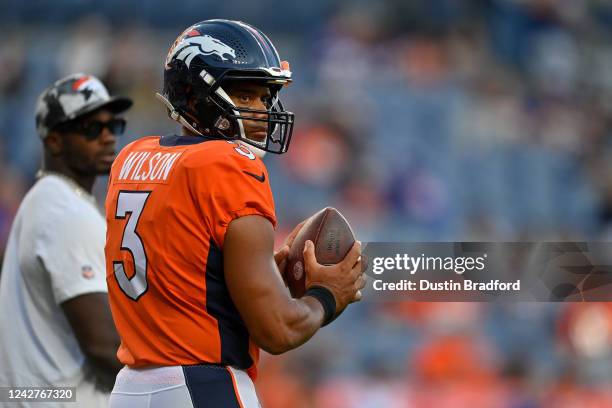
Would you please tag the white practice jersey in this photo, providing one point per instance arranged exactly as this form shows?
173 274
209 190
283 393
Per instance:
55 252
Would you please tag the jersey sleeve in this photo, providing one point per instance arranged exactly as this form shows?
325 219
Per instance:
236 186
72 253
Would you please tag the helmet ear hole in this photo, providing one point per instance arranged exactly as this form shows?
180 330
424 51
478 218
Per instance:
222 123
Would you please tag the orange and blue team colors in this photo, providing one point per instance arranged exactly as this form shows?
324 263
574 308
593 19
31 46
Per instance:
170 200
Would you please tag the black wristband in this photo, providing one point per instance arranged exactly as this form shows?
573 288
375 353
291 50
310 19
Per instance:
326 298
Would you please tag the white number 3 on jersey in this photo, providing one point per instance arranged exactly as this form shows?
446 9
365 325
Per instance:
132 202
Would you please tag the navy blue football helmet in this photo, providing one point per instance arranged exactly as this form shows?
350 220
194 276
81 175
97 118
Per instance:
210 54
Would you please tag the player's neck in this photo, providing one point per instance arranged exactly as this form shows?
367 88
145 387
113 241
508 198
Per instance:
86 182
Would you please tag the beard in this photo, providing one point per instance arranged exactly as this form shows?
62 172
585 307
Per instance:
86 165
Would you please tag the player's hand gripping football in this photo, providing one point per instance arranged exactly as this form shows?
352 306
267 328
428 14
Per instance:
280 256
345 279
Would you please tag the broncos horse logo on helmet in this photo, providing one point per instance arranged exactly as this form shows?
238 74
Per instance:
197 68
194 44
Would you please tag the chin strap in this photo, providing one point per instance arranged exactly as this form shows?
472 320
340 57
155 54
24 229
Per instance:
175 115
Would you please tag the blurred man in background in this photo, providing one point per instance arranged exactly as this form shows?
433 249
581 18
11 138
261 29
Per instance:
56 328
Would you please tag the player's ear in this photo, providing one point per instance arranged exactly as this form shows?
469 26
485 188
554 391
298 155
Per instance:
54 143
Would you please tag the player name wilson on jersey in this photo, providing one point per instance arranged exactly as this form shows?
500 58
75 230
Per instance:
143 166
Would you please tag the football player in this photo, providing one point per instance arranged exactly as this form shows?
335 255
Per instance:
194 282
56 327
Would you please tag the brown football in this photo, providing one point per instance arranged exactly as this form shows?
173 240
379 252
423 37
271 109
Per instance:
333 238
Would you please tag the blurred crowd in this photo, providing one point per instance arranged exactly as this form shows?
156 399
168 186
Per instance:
429 120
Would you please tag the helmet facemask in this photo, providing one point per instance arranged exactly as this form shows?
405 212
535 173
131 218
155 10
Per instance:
230 123
209 111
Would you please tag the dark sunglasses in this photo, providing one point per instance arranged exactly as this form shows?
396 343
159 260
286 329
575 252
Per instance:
91 130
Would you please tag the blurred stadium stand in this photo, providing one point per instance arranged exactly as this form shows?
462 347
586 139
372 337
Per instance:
428 120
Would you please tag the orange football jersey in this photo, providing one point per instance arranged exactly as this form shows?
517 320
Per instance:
170 200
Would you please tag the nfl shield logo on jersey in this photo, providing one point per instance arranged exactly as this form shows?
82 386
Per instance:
87 272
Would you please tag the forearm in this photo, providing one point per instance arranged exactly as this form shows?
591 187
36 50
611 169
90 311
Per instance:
97 337
294 325
306 322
